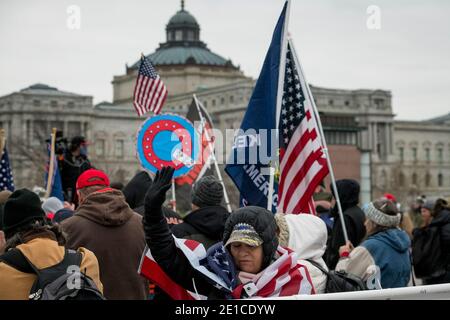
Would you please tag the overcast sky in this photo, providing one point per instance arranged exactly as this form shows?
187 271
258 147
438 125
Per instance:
409 55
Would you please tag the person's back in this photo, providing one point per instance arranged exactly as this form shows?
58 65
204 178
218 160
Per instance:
353 217
105 224
27 230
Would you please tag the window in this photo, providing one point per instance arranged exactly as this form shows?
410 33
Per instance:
100 147
119 148
401 180
222 100
440 180
231 99
213 102
205 104
347 103
428 180
330 102
73 129
414 178
36 103
54 103
401 152
414 153
71 104
178 35
379 103
440 154
427 154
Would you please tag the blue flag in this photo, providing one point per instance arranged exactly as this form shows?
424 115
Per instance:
56 190
6 177
254 145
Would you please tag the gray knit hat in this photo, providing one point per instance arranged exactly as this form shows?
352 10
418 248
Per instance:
207 191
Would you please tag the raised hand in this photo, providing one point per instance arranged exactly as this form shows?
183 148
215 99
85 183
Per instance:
156 193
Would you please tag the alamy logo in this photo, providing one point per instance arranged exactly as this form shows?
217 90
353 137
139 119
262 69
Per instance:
74 18
374 18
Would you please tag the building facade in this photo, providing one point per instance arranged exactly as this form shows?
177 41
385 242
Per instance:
366 143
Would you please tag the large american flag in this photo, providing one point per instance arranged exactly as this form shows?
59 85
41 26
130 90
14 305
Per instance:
302 162
284 277
6 177
150 93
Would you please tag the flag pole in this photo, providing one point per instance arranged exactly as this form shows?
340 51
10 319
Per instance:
174 200
2 141
322 138
281 71
51 164
212 154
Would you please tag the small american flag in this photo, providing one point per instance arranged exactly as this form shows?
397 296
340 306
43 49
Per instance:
302 162
6 177
150 93
284 277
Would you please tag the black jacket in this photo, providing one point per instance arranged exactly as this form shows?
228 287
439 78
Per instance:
204 225
172 261
71 168
354 219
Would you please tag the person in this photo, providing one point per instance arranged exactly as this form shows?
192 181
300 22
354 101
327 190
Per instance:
354 218
383 258
4 195
51 206
248 253
322 201
135 191
105 224
306 234
74 162
27 229
436 217
206 222
406 222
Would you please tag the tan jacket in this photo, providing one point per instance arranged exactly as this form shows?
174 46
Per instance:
43 253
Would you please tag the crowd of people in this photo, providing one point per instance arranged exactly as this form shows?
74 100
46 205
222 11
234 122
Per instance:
110 226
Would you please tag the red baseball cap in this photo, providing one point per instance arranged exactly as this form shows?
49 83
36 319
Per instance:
390 196
92 177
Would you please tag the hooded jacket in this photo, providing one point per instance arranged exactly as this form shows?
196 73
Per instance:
306 234
105 224
354 219
205 225
171 260
382 260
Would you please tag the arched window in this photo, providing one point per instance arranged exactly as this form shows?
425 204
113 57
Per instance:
414 178
401 179
428 180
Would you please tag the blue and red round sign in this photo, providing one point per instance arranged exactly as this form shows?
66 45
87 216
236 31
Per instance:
168 140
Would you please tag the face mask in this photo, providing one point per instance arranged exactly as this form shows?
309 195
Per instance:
83 150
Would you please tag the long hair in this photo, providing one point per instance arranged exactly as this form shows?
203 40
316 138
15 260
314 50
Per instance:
36 229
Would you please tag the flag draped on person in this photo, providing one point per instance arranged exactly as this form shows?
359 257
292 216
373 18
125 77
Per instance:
203 163
56 183
6 176
254 146
284 277
150 93
302 162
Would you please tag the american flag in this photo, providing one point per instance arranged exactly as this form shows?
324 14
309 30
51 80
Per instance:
284 277
302 162
6 177
150 93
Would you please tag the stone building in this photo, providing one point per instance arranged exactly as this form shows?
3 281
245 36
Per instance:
366 143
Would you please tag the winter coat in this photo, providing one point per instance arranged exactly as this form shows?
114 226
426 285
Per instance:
354 219
71 168
307 236
171 260
105 224
205 225
43 253
442 222
383 259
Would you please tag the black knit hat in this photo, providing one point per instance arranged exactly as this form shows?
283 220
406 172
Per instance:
208 191
21 208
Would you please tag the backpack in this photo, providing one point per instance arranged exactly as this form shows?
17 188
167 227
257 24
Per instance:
427 256
340 281
58 282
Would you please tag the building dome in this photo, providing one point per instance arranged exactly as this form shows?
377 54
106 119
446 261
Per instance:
182 18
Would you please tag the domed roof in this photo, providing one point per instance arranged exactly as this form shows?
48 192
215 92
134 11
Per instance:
184 18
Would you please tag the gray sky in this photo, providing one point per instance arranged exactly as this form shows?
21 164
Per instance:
409 55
